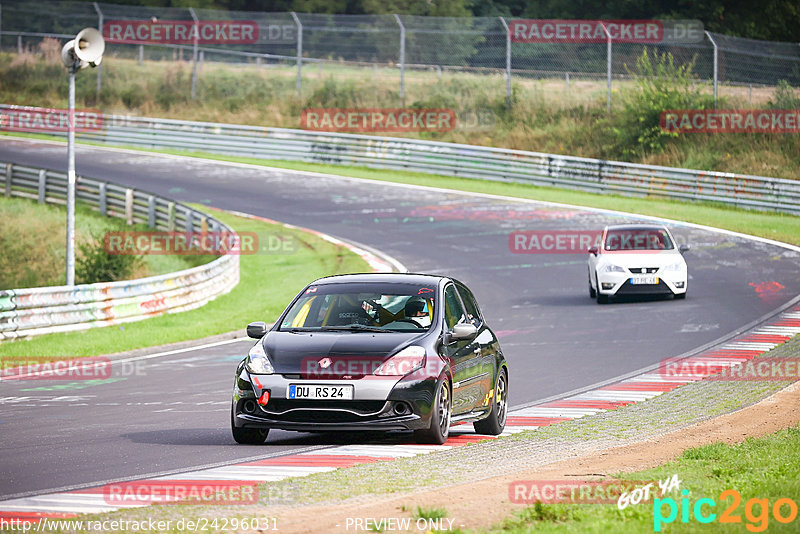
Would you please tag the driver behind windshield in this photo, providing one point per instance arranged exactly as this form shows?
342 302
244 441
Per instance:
416 309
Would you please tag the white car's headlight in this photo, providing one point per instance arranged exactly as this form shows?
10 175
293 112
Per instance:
677 266
257 361
611 268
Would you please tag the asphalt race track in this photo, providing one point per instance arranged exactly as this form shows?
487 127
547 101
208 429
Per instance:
57 434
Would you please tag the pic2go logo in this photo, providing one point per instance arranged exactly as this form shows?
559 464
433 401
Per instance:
756 511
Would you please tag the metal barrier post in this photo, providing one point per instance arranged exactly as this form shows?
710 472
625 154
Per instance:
151 211
402 59
508 61
716 66
101 201
42 185
9 171
141 54
299 52
194 52
129 206
100 29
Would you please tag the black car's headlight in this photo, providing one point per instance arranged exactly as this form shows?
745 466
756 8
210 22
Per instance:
404 362
258 362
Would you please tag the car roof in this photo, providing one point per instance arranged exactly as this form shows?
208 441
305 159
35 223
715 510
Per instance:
398 278
637 226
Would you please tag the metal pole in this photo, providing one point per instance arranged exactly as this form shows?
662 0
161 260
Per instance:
608 68
141 54
99 67
716 66
402 59
299 52
508 60
71 181
194 52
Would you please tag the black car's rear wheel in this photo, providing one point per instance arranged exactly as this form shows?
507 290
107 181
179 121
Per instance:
248 436
439 428
496 422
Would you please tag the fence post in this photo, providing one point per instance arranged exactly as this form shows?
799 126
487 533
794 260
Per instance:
299 52
100 29
194 51
141 54
171 216
402 59
508 61
716 66
19 44
42 185
608 67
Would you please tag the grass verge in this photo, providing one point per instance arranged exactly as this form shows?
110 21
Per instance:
762 471
267 283
33 237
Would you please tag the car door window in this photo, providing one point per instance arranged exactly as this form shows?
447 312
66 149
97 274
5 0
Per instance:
470 306
453 310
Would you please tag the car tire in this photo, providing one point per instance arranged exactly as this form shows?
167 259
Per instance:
496 421
680 295
248 436
592 291
439 428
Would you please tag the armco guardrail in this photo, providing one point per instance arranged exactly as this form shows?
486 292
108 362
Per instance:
43 310
469 161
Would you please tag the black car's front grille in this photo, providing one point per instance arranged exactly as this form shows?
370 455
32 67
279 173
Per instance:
328 411
643 270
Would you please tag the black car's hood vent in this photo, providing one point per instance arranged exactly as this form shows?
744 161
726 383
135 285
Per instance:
332 354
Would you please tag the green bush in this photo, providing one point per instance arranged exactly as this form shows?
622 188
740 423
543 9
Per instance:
660 85
785 97
93 264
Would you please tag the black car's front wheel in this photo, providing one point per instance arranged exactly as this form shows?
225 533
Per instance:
496 421
439 428
247 436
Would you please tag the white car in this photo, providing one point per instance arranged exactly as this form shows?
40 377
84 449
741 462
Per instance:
637 259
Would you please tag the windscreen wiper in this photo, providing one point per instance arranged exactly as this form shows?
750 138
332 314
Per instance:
354 328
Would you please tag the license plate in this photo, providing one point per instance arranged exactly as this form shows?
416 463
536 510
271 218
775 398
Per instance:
319 391
640 280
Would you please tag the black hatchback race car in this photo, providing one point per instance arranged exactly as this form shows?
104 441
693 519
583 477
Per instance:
373 352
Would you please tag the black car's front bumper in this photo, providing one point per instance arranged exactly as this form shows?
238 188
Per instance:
378 404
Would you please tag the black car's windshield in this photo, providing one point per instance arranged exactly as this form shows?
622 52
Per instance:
638 239
363 307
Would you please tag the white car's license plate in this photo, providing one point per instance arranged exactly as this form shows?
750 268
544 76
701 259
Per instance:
637 280
319 391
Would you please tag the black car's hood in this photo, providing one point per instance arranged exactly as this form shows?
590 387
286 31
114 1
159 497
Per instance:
349 352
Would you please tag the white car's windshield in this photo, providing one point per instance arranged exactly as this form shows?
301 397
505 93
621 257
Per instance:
638 239
363 307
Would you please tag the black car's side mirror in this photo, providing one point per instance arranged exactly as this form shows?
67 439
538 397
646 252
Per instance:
257 329
593 251
461 332
683 248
